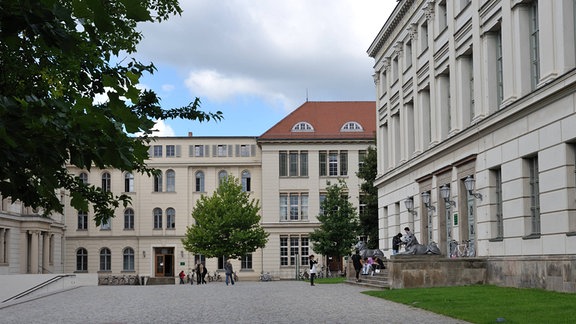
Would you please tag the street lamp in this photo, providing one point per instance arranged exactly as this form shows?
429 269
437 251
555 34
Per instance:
409 203
470 182
445 193
426 200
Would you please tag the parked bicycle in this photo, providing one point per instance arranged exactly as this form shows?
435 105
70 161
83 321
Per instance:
459 250
303 275
266 276
215 277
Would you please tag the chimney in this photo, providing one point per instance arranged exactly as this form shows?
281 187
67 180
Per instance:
189 134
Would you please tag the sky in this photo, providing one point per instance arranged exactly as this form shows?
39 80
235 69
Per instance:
256 61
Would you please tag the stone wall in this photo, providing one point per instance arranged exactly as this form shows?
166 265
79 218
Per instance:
413 271
546 272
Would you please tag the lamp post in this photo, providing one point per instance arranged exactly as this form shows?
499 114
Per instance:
426 200
409 203
470 183
445 193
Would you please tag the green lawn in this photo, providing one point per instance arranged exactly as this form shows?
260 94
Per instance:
488 304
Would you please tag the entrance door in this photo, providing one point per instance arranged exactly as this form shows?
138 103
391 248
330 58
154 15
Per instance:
164 259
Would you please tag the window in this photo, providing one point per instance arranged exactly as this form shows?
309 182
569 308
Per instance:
321 199
199 181
408 54
81 260
293 163
534 194
245 150
499 69
198 150
442 16
157 218
291 247
222 150
105 259
105 225
82 220
496 177
129 219
222 176
302 127
199 258
170 218
293 206
170 151
351 127
170 181
362 154
83 177
128 259
246 262
128 182
246 181
395 74
534 44
106 181
333 163
158 182
423 37
157 151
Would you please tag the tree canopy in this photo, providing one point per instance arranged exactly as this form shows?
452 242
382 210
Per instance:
57 57
338 230
226 223
369 197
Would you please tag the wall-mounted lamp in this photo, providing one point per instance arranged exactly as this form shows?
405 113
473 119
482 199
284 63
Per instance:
470 182
143 254
409 203
426 200
445 193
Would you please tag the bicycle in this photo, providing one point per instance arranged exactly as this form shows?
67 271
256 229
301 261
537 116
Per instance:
303 275
266 277
215 277
459 250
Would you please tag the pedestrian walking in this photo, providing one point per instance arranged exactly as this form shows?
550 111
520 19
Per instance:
357 263
229 272
312 268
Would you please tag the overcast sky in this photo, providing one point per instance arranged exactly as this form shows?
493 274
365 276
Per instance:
257 60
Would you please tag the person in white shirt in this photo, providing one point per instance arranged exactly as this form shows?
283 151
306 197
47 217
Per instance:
312 268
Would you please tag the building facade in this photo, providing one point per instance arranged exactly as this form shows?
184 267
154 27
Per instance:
481 94
318 144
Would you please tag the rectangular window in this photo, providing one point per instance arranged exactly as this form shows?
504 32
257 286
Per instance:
245 150
408 55
198 151
305 250
442 16
105 225
323 163
158 183
321 199
534 194
333 163
246 263
128 262
361 158
497 178
170 151
423 36
304 164
395 69
283 164
157 150
534 44
293 164
499 69
294 249
283 251
82 220
343 163
293 206
222 150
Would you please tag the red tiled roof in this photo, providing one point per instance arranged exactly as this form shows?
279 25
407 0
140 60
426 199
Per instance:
327 118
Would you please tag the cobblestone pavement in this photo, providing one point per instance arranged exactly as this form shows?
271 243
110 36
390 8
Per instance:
245 302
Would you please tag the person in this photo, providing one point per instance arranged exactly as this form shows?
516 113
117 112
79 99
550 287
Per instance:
396 242
182 275
379 264
367 265
229 272
357 263
201 274
312 268
190 276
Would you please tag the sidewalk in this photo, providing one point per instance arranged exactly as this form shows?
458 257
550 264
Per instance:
245 302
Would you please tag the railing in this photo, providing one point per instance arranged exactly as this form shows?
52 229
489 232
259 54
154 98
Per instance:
37 287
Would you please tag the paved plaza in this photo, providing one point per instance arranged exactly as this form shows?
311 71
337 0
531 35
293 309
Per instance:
245 302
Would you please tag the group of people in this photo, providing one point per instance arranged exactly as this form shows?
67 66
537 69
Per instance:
398 240
200 272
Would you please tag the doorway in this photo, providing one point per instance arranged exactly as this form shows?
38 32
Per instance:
164 262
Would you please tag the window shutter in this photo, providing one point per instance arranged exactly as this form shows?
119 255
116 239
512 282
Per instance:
253 150
230 153
178 150
191 150
237 149
214 150
150 151
206 150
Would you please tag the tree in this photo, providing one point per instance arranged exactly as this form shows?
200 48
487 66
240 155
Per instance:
55 61
369 197
226 224
338 230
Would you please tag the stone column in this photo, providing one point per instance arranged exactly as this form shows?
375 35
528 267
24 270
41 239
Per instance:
2 244
45 251
34 251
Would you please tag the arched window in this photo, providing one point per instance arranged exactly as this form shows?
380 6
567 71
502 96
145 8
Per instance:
106 181
170 181
129 219
157 218
81 260
105 259
351 126
199 181
158 183
302 127
222 176
246 181
83 177
128 259
170 218
128 182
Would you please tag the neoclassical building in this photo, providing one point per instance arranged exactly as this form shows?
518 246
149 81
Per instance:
287 169
476 132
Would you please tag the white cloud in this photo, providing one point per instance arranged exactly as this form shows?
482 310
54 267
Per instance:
168 87
162 129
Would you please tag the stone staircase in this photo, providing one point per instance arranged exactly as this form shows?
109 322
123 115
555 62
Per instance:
376 281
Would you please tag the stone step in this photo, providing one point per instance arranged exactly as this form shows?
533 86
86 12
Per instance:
161 281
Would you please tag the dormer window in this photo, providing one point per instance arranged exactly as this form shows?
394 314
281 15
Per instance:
351 126
302 127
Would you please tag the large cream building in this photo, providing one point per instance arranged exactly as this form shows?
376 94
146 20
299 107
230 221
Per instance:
481 93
